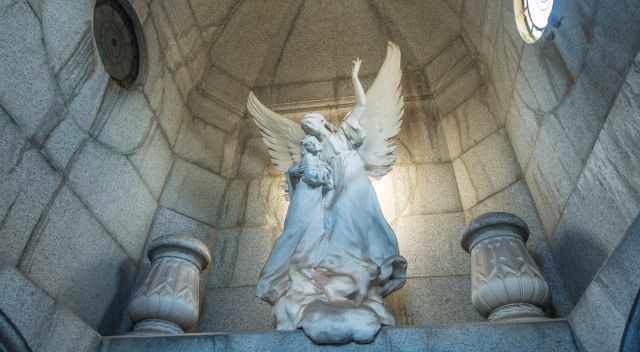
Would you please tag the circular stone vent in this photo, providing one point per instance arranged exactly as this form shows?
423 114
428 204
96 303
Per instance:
117 31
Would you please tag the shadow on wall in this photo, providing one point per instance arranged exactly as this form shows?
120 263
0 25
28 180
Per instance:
606 308
631 337
113 319
580 268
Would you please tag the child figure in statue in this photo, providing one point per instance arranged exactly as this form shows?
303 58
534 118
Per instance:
311 169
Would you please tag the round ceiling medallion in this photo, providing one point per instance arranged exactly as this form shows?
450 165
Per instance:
532 17
117 33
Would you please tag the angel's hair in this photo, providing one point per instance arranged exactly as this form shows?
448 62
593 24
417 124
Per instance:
313 116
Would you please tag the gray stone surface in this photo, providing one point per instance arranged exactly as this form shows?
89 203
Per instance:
459 90
153 160
608 301
111 187
248 37
420 134
28 307
77 262
595 311
69 333
526 337
199 64
473 18
234 310
211 13
224 253
156 70
182 21
27 184
141 9
507 52
168 43
194 191
316 23
543 80
486 169
172 110
232 154
265 198
254 246
552 172
522 125
255 159
437 300
63 142
544 336
431 244
305 91
184 81
435 190
606 198
86 103
201 144
225 89
79 67
232 208
239 255
427 26
168 222
446 67
28 90
64 24
210 111
127 119
468 125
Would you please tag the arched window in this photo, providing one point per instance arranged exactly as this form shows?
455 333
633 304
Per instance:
532 17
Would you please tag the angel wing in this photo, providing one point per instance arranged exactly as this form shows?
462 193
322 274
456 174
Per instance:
382 117
281 135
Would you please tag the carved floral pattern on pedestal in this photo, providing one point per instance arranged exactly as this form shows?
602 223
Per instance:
168 300
506 283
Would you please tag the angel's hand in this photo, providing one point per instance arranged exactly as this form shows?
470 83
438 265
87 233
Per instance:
356 66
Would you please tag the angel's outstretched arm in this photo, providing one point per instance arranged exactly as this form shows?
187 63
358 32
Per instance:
361 97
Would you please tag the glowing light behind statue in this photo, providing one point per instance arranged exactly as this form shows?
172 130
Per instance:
337 256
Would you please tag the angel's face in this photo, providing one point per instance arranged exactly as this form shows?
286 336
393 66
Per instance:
314 124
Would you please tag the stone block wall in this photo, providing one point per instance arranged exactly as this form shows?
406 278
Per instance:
45 323
557 101
83 161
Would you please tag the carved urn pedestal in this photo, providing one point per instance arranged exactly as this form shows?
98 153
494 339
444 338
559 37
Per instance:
506 283
168 300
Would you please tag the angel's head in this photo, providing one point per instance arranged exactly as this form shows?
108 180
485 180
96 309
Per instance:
311 145
315 124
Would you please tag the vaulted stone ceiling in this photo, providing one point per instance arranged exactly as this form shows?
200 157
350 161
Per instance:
286 41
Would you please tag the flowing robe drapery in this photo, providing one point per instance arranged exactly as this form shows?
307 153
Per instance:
336 247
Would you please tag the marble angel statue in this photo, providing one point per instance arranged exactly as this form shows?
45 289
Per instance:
337 256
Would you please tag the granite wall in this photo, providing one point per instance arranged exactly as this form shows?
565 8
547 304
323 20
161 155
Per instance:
90 171
83 161
555 101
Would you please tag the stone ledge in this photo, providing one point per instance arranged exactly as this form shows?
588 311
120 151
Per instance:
552 335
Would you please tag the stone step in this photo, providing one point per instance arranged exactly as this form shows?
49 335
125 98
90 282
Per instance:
545 336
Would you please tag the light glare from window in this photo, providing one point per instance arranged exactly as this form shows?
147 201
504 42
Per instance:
532 17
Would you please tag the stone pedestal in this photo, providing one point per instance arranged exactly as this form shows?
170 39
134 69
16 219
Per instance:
506 283
168 300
